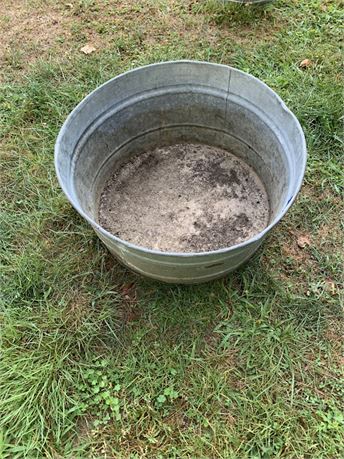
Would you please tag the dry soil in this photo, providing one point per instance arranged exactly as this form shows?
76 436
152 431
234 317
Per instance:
184 198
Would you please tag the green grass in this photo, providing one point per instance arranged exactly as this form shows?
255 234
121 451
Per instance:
97 362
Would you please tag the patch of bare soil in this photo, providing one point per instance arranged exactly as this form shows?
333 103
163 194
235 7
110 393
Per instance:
184 198
36 29
29 31
297 247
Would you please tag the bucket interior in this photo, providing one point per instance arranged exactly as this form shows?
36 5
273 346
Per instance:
184 198
170 118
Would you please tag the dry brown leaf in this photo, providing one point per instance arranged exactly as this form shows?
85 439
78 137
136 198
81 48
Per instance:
303 241
127 288
306 63
331 286
87 49
128 292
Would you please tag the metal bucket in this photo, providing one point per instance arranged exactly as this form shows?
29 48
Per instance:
174 102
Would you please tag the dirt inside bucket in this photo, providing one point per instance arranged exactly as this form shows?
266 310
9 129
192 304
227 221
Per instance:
184 198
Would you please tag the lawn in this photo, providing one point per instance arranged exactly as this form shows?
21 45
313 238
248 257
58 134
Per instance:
97 362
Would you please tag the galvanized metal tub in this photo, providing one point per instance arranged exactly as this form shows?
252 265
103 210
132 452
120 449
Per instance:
172 102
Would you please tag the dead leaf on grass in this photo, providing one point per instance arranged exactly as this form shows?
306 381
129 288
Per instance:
127 288
303 241
331 286
305 63
87 49
128 292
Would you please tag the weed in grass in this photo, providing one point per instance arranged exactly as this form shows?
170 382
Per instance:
100 393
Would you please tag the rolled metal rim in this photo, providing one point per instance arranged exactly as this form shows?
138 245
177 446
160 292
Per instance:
256 238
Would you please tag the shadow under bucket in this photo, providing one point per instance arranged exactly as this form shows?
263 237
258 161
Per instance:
186 114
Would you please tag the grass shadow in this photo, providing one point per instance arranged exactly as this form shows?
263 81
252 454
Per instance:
237 15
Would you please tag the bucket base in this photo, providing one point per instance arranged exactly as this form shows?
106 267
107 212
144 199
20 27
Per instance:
184 198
